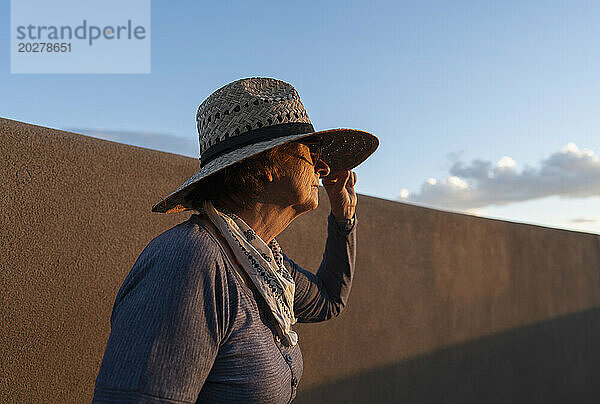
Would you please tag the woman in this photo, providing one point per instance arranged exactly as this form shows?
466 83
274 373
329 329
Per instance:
205 314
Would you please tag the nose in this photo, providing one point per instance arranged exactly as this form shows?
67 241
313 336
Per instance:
322 169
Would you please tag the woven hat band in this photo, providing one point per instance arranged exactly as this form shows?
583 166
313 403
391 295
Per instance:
255 136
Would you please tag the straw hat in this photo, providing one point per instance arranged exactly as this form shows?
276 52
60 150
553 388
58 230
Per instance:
252 115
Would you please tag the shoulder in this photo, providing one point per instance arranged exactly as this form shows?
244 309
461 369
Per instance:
180 258
187 244
188 236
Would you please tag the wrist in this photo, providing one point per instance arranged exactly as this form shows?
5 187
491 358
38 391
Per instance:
342 217
343 214
343 223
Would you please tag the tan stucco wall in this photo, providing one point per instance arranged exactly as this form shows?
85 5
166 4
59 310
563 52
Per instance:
445 307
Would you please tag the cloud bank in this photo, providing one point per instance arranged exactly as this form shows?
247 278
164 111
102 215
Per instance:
568 173
156 141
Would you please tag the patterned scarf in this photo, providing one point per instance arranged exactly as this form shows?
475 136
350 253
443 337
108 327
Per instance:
264 265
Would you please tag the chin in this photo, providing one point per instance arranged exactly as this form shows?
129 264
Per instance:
315 201
307 206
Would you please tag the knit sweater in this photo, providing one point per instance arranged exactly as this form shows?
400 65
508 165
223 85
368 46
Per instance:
186 329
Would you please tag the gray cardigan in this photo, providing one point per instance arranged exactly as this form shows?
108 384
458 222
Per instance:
185 329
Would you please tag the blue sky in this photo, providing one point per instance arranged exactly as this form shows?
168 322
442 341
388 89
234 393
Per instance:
440 83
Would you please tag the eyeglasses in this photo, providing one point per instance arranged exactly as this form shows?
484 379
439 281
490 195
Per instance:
315 147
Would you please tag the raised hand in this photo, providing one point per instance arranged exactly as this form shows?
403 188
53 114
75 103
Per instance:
340 190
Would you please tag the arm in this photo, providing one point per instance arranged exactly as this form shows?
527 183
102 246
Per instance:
170 317
324 295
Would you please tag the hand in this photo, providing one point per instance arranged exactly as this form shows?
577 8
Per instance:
340 190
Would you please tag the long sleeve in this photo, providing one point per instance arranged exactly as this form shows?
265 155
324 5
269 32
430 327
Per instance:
324 295
169 319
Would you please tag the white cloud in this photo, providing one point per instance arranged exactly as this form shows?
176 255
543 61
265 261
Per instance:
156 141
584 220
506 162
568 173
457 183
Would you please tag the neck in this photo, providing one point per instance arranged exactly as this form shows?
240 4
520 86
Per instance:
267 220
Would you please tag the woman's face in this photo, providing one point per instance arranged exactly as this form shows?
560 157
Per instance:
298 182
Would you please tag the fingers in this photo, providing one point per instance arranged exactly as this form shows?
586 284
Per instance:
337 182
352 179
345 177
333 178
340 180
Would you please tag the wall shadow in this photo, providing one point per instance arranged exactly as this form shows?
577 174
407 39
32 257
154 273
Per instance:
554 361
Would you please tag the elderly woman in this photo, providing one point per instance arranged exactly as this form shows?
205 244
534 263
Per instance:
206 312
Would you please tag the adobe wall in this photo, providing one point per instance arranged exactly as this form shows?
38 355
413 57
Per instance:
445 307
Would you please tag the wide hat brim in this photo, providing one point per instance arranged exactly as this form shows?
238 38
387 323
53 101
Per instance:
343 149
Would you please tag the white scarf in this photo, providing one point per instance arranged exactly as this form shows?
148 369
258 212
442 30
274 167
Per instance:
264 265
